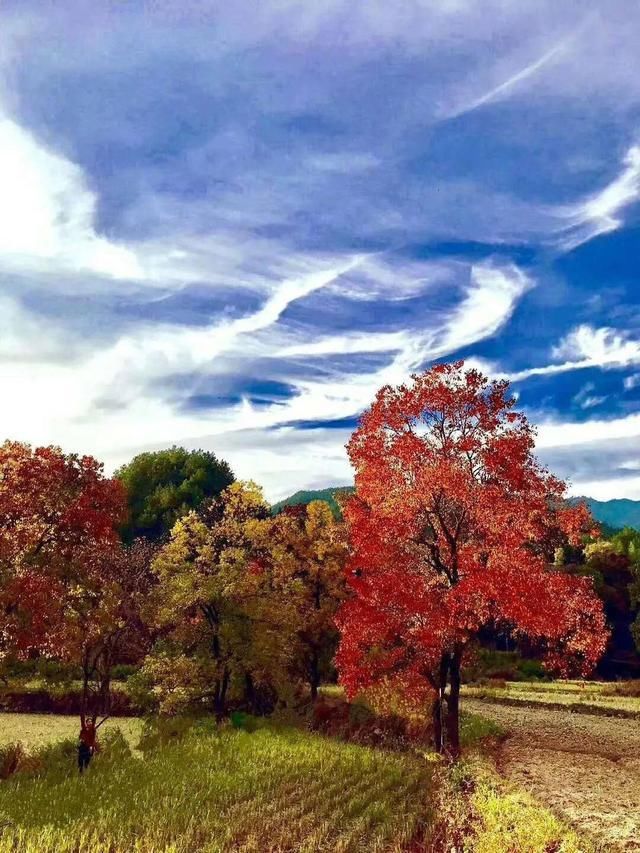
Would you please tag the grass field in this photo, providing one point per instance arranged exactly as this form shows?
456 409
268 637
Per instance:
35 730
273 789
599 696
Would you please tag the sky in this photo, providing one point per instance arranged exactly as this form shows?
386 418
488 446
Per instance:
226 225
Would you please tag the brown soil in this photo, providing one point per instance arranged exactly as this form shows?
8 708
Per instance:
585 768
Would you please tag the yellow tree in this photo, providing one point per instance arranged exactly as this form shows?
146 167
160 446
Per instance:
308 551
208 605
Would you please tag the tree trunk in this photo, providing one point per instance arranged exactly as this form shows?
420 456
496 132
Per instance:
445 711
439 733
436 716
220 700
453 706
249 692
314 675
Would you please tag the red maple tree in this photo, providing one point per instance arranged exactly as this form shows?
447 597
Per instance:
452 527
54 509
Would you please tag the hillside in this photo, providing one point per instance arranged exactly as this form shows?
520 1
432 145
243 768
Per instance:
617 513
613 514
308 495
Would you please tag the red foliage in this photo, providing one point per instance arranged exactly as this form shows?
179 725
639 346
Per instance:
53 508
451 527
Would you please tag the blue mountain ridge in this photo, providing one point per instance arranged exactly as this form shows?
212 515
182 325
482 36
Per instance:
616 513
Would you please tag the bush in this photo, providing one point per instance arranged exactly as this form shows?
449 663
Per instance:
12 757
357 723
623 688
241 720
123 671
61 701
159 731
531 670
505 666
54 672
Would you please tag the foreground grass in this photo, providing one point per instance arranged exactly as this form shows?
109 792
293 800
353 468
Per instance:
35 730
481 812
273 789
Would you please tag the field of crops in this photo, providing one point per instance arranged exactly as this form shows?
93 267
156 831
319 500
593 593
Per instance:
35 730
597 696
271 789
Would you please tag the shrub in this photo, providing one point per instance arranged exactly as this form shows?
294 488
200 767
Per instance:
61 701
12 757
159 731
359 724
244 721
623 688
123 671
531 670
55 672
506 666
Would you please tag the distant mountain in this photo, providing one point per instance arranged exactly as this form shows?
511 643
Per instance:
308 495
617 513
612 515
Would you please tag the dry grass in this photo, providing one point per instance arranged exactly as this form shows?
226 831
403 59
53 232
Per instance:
273 789
35 730
598 696
584 767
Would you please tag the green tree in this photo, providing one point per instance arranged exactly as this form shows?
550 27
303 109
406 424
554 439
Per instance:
167 484
615 575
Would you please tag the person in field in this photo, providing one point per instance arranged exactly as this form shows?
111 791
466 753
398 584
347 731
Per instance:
88 740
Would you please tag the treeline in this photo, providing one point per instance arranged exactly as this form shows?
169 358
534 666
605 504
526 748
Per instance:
174 567
614 566
171 566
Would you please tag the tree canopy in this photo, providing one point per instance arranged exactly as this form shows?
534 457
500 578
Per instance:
209 604
164 485
307 551
452 528
55 510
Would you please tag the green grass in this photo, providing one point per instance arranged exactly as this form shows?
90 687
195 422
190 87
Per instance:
474 729
274 789
486 814
35 730
600 696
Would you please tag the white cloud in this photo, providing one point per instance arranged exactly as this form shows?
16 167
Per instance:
488 305
47 212
586 399
597 456
564 434
607 489
346 162
601 212
505 87
116 401
586 346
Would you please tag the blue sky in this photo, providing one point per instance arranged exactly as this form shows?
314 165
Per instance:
225 225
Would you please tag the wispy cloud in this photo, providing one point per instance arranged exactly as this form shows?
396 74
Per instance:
505 88
586 347
601 212
262 217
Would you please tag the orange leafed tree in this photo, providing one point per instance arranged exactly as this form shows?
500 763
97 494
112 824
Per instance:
54 508
452 527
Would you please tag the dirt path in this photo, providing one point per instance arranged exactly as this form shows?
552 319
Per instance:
585 768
